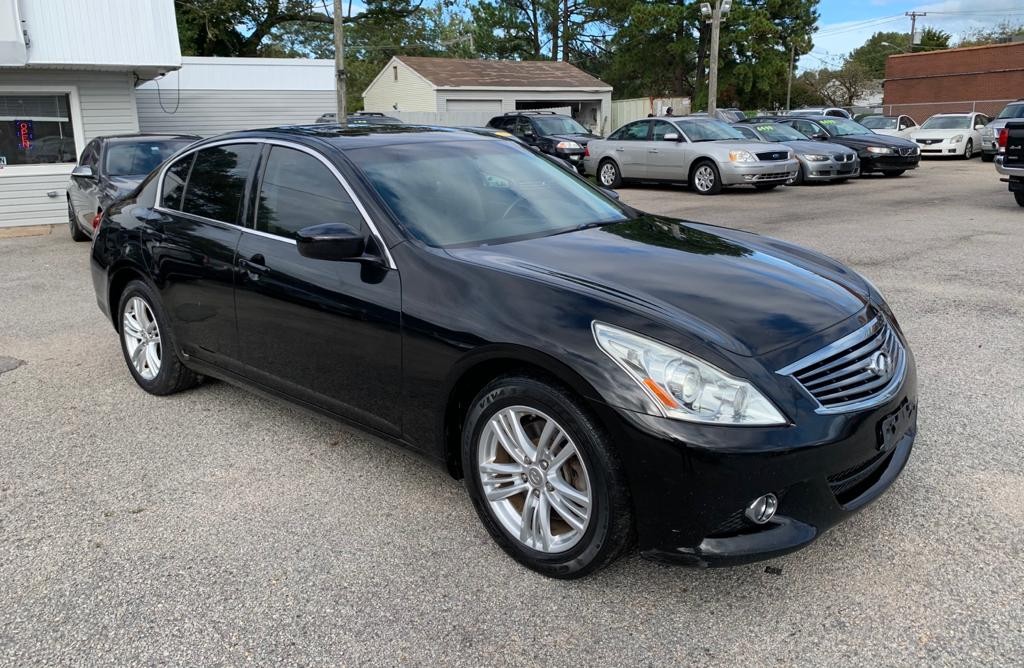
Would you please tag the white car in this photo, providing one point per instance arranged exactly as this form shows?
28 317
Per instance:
894 126
951 134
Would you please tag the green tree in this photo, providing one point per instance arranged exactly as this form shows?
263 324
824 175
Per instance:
872 54
1004 31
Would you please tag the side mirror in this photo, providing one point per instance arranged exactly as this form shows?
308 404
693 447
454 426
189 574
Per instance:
979 126
330 241
83 172
671 136
610 193
820 136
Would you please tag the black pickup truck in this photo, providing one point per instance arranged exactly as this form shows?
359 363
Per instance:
1010 159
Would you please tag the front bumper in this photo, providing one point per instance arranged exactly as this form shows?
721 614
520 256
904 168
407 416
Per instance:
870 162
943 148
776 171
830 169
691 483
989 144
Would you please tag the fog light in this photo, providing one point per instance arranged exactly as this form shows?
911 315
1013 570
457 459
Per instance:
762 508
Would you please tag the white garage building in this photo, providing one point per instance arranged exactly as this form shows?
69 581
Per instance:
420 84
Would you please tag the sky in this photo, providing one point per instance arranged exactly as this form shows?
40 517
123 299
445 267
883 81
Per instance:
846 24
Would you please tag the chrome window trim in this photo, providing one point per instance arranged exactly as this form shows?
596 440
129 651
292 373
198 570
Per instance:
858 335
273 142
204 219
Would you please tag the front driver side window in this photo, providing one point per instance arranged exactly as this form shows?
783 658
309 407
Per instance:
298 191
632 132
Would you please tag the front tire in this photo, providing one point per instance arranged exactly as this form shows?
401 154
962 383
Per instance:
1019 196
893 173
544 479
705 178
969 149
147 342
766 186
77 233
799 178
608 174
988 157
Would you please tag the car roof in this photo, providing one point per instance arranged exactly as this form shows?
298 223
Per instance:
360 136
138 136
957 113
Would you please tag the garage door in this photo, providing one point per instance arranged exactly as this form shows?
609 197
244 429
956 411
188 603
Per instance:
491 106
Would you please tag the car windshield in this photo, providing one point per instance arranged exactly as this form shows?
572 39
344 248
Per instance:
559 125
880 122
778 132
1012 111
708 130
138 158
947 123
840 127
479 192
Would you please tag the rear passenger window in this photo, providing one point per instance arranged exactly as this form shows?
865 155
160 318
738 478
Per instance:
216 185
174 183
298 191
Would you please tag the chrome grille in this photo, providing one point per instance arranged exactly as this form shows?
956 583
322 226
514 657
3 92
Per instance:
857 371
844 157
773 155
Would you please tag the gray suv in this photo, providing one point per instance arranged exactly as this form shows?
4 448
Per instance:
990 135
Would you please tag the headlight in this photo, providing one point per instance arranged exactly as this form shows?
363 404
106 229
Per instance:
742 156
957 139
880 150
567 145
816 158
685 387
916 151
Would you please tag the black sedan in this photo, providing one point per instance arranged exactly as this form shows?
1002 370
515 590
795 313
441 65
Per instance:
890 156
597 375
111 167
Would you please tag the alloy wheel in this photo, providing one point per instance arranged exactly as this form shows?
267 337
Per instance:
704 178
141 338
534 479
608 174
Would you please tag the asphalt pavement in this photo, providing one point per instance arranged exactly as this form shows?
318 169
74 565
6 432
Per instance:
217 528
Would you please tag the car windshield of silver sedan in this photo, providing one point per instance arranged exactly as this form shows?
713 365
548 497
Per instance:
947 123
1012 111
708 130
557 125
880 122
778 132
470 193
840 127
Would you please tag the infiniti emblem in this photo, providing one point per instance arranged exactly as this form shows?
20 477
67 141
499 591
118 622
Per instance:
880 365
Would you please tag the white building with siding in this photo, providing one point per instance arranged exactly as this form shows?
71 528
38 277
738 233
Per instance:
422 84
68 72
209 96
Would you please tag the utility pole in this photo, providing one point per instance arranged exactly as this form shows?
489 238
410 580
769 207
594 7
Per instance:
339 64
789 86
714 16
913 26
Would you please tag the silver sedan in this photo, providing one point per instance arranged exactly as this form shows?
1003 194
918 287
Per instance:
705 154
819 161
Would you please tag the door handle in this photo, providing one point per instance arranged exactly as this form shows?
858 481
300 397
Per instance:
255 266
620 149
652 150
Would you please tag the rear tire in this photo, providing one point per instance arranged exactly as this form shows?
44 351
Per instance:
893 173
608 174
988 157
1019 196
556 498
705 178
77 233
148 344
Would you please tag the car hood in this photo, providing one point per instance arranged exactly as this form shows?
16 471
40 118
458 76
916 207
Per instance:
805 146
863 141
746 293
939 134
582 140
887 132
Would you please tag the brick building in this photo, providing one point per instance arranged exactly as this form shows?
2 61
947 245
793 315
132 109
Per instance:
975 78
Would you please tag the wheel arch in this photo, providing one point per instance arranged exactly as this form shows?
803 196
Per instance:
121 274
472 373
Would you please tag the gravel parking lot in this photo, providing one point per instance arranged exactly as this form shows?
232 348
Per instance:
214 527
